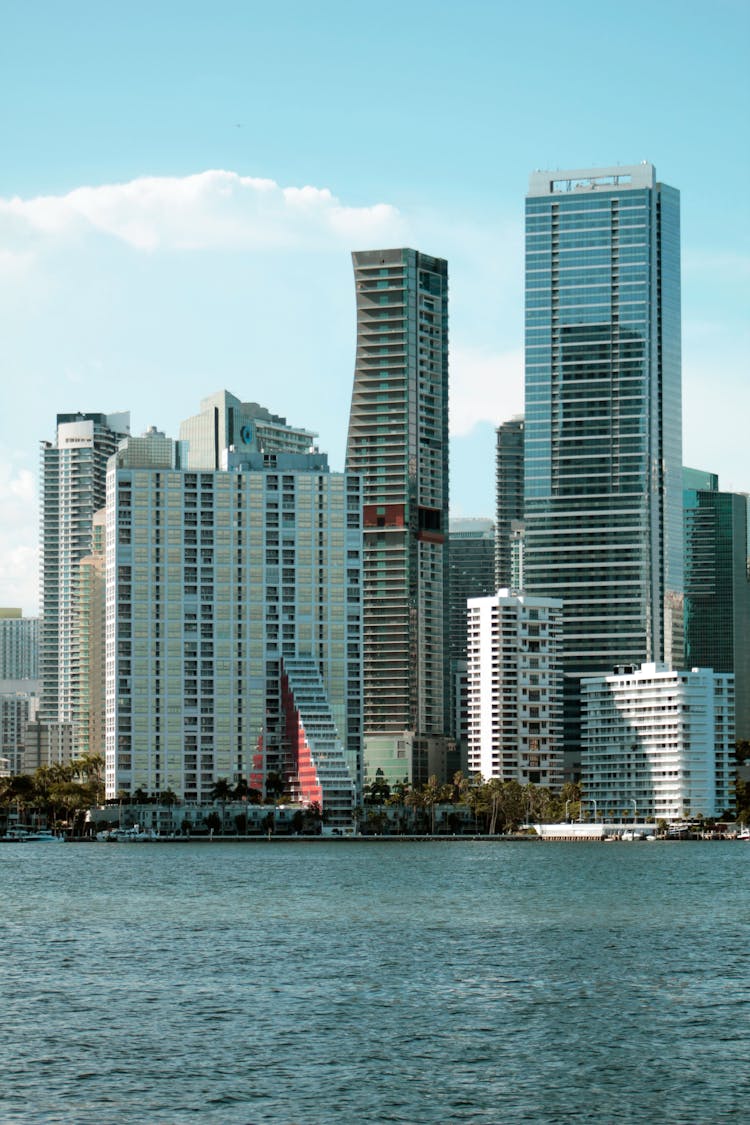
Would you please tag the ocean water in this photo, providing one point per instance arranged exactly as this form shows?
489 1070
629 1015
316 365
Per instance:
343 982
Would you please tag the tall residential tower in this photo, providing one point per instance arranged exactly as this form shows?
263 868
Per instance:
398 444
73 485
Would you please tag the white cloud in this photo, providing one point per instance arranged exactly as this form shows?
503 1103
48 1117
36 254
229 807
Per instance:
208 210
485 387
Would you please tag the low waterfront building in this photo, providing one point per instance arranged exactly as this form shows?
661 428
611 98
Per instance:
657 742
514 650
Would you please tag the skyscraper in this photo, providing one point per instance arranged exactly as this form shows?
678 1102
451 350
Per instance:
215 579
471 574
717 589
19 646
602 462
19 682
225 423
73 485
508 496
398 444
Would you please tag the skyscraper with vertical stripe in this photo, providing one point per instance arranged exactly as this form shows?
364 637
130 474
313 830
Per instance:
602 460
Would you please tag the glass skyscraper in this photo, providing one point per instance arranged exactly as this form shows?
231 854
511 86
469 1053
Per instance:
717 589
508 496
602 463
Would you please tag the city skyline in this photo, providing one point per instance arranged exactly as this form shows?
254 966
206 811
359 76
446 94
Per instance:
131 274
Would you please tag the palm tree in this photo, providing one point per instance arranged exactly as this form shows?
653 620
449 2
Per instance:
241 790
221 792
274 785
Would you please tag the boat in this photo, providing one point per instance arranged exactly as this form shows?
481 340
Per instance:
29 835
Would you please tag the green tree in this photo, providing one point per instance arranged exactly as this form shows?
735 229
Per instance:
274 785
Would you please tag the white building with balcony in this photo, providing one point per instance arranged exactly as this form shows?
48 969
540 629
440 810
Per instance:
514 651
657 743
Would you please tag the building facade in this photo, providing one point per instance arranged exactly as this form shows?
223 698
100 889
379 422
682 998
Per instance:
717 587
19 646
214 577
515 689
225 424
398 446
73 487
602 459
508 496
471 574
657 743
88 694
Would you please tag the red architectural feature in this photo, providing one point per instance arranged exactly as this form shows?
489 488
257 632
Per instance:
310 789
257 778
384 515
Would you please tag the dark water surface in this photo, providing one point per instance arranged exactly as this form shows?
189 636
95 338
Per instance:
375 982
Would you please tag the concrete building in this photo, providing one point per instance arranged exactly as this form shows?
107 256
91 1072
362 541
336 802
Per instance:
46 744
20 686
515 688
73 487
508 496
717 585
603 424
214 579
657 742
88 695
19 705
225 424
398 445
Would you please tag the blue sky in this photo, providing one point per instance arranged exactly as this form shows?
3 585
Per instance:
156 243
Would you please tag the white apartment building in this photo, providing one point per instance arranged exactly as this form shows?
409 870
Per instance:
514 651
657 743
73 476
213 578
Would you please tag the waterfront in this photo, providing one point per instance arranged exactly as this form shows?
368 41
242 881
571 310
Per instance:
468 982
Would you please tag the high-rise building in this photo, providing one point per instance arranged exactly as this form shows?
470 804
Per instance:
471 573
225 424
215 578
88 693
508 496
602 459
515 689
657 743
73 485
19 646
20 687
398 445
717 587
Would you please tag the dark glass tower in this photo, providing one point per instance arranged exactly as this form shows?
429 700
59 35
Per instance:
602 464
717 590
508 496
398 443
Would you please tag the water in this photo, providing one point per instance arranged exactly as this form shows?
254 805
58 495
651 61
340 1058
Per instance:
350 983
